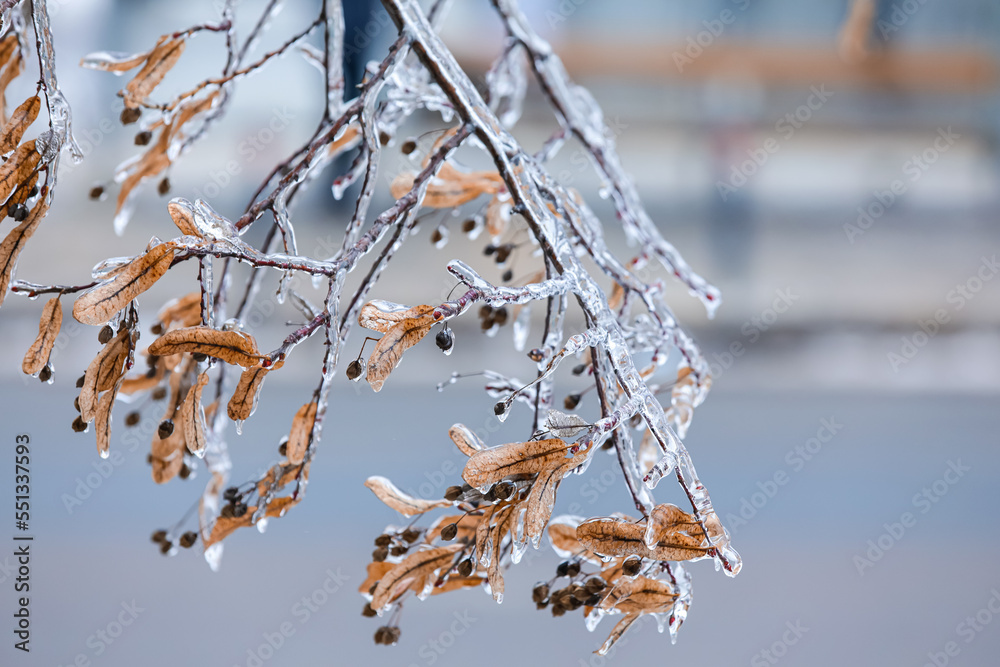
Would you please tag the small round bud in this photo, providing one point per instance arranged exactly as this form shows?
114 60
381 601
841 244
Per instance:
383 138
445 340
489 250
507 276
367 611
558 610
540 593
79 425
355 369
499 408
503 253
408 146
573 569
163 187
398 550
165 429
411 535
33 191
466 567
105 335
130 116
165 547
45 374
97 192
468 225
188 539
562 569
132 418
436 236
199 357
536 354
143 138
231 494
383 540
158 536
500 315
571 401
631 567
20 213
380 554
184 472
504 490
156 329
449 532
239 509
452 493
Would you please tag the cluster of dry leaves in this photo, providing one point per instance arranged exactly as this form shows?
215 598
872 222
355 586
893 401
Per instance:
613 564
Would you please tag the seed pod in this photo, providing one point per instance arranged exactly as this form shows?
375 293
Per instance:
97 192
383 138
499 408
540 593
452 493
411 535
558 610
79 381
379 555
489 250
571 401
596 585
132 418
445 340
130 116
504 490
355 369
165 547
283 448
105 335
165 429
631 567
239 509
465 567
436 236
143 138
449 532
562 569
156 329
45 374
367 611
20 213
408 146
398 550
76 403
541 605
184 472
507 276
159 393
163 187
469 225
383 540
199 357
573 569
188 539
159 536
500 315
580 370
231 494
503 253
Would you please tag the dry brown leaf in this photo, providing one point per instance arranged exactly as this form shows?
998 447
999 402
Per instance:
516 458
23 116
244 400
7 46
193 417
483 534
419 565
617 297
493 572
100 304
381 315
348 139
183 218
618 537
103 373
467 441
144 382
301 433
185 311
375 572
456 582
393 344
9 73
498 215
160 60
450 187
225 526
400 501
18 168
107 62
541 500
23 191
617 632
233 347
14 243
639 595
48 329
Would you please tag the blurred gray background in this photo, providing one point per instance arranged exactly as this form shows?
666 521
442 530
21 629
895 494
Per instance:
694 90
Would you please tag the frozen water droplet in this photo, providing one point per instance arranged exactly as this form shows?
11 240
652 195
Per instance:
262 525
239 427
